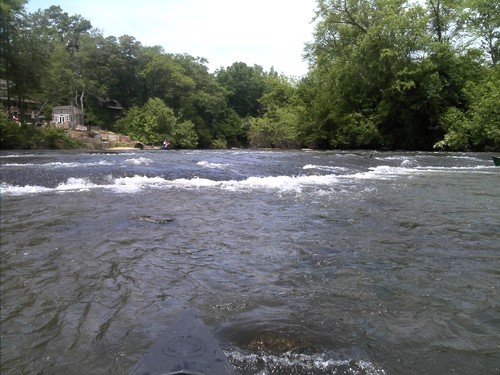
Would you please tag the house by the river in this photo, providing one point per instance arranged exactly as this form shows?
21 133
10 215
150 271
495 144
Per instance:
67 117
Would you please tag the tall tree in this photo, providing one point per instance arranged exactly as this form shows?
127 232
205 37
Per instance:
445 19
483 21
150 123
203 103
245 86
283 113
63 36
163 77
386 70
364 56
11 18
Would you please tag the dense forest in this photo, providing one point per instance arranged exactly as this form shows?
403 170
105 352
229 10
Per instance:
383 74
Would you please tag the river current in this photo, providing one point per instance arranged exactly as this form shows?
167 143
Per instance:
299 262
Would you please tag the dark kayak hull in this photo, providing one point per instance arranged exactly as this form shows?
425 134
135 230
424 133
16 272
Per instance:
496 160
186 347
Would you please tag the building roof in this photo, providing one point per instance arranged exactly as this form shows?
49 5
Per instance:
68 108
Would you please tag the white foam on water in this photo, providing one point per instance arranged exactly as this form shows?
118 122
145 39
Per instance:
76 184
388 173
60 164
307 362
473 158
195 182
18 165
139 161
324 168
392 157
272 183
382 173
210 165
284 184
120 154
281 184
18 156
473 169
76 164
14 190
407 163
134 184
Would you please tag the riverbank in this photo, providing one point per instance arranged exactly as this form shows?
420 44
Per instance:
102 139
14 136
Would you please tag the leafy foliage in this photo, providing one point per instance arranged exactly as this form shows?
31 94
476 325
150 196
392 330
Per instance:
383 74
387 71
15 136
149 124
477 127
184 135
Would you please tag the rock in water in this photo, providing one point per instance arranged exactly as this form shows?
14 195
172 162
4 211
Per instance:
152 219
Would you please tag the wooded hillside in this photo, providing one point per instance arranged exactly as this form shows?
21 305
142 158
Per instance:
384 74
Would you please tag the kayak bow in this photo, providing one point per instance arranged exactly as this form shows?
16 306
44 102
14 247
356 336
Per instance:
187 347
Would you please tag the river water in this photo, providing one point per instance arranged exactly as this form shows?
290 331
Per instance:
300 262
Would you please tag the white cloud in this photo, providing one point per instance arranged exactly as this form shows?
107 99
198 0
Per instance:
264 32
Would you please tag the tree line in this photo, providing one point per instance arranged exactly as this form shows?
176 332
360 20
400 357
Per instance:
383 74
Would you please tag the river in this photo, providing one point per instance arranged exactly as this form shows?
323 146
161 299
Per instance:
300 262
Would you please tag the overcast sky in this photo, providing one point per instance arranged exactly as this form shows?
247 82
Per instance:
270 33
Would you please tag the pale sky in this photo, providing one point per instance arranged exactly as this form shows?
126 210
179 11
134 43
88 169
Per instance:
269 33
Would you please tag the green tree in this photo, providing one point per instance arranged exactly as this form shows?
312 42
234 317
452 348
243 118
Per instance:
228 130
15 137
125 65
445 19
184 135
204 103
283 112
163 77
149 124
278 128
61 38
364 56
21 47
11 136
95 56
478 126
245 86
483 21
385 71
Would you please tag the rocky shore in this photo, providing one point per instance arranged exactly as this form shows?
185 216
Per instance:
100 140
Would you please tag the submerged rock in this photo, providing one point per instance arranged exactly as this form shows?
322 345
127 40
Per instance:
152 219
